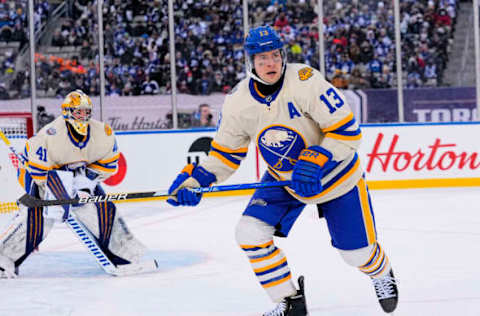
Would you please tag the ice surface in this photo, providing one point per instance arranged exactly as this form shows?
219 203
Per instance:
431 235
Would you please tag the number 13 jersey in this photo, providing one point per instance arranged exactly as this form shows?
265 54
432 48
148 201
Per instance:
305 111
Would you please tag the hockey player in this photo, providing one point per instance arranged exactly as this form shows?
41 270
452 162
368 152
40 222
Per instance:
306 132
83 152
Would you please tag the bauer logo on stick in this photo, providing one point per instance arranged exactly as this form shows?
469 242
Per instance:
103 198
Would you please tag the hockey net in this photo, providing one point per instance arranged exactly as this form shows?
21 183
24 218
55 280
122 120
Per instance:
17 127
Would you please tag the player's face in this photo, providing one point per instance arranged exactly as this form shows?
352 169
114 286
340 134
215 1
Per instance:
268 65
82 115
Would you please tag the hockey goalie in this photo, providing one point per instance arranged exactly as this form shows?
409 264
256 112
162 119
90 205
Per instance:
69 158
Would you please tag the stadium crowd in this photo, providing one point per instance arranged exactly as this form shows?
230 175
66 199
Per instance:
14 30
359 43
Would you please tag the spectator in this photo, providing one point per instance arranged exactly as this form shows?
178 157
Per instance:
43 118
357 81
430 74
202 117
339 81
150 86
3 92
281 21
354 34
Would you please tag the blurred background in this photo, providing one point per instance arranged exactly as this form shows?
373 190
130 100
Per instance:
161 64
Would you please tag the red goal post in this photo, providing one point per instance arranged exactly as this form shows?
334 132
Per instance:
17 127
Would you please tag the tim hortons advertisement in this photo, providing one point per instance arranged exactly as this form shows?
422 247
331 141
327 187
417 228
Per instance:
422 155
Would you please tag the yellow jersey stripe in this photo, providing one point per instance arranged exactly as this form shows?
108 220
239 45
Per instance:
107 170
343 137
106 161
338 124
241 150
224 160
36 165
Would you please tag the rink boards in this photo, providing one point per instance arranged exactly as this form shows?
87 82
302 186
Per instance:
392 155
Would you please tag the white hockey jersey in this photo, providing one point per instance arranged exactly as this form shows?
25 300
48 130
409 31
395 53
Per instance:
305 111
54 147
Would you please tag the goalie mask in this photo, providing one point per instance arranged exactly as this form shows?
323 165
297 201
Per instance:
77 110
259 40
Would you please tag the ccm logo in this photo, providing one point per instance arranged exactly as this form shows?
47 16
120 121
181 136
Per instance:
103 198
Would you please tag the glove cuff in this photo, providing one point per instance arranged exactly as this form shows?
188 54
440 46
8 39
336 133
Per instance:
316 154
203 176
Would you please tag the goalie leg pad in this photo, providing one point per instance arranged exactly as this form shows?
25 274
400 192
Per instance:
7 268
59 186
269 264
111 231
24 233
123 244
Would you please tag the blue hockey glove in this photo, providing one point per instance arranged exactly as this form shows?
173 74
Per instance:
308 171
192 176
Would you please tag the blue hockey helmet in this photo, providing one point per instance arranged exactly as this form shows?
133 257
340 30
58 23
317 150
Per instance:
262 39
259 40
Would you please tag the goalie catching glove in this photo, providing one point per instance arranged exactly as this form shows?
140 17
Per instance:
308 171
192 176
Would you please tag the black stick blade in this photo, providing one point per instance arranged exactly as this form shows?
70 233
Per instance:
29 201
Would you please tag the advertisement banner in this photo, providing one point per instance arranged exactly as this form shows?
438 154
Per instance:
422 105
395 156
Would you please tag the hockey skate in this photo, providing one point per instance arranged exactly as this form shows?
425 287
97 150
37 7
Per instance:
387 292
294 305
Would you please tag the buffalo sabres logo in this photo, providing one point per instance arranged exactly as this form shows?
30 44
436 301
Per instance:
280 147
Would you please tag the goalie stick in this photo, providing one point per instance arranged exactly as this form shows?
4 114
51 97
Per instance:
90 242
31 201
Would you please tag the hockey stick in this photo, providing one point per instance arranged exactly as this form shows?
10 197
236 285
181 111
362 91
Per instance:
90 242
31 201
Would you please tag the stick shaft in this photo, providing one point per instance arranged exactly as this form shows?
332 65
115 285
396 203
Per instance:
31 201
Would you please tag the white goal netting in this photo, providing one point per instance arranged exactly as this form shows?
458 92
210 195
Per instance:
17 127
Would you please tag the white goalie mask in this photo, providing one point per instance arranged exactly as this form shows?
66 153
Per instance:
77 110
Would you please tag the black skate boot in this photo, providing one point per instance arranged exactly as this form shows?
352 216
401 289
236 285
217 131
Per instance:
387 292
294 305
